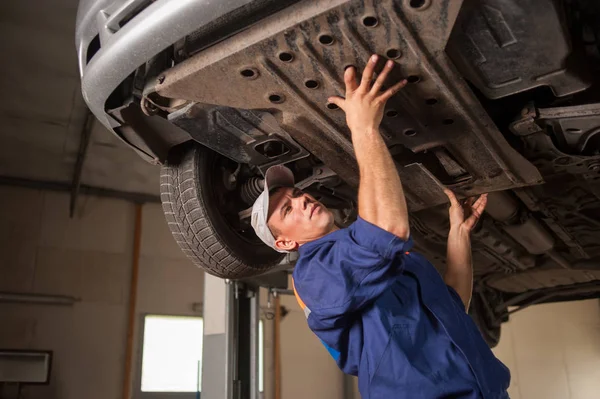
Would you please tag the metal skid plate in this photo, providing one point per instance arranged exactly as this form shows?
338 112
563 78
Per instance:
292 61
499 48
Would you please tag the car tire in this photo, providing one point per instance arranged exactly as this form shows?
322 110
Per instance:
489 330
193 214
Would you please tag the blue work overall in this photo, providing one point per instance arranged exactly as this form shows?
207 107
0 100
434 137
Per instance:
386 315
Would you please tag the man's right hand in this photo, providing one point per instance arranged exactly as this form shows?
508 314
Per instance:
459 265
364 103
464 216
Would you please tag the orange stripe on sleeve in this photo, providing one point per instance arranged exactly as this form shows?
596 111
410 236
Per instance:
300 302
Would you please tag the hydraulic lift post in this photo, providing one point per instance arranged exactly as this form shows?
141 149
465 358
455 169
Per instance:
230 346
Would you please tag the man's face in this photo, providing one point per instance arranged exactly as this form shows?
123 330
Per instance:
296 218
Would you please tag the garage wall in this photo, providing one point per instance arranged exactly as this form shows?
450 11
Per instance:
307 369
89 257
553 351
168 283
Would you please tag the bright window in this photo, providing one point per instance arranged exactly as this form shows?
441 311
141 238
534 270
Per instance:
172 354
172 357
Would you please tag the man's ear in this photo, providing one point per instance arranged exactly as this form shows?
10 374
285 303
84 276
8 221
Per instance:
285 244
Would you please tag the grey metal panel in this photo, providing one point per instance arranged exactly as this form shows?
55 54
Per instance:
214 349
219 355
154 29
27 367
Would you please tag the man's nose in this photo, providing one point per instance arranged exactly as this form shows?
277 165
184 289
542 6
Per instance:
302 201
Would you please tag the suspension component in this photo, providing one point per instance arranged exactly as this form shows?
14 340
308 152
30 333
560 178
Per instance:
251 189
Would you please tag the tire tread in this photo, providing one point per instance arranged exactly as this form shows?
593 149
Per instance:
190 224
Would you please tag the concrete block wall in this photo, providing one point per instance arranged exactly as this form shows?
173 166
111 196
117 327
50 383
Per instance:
43 251
553 351
307 369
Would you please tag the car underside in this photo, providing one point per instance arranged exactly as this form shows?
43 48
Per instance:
502 98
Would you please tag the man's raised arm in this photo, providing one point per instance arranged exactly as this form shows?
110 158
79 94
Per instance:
380 196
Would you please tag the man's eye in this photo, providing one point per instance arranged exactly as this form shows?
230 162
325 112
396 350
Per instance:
287 210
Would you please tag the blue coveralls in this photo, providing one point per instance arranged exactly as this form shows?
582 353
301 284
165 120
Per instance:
387 316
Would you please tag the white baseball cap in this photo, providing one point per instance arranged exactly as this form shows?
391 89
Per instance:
276 176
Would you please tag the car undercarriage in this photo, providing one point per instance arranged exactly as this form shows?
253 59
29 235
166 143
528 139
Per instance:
502 98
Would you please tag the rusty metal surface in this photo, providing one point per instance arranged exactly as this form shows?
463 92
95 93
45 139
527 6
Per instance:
560 218
544 277
240 135
292 61
491 37
562 141
578 126
569 203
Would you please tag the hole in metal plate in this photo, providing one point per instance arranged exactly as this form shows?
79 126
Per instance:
393 53
370 21
417 3
249 73
311 84
286 57
326 40
276 98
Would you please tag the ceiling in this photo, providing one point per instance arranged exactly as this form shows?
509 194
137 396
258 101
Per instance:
42 112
